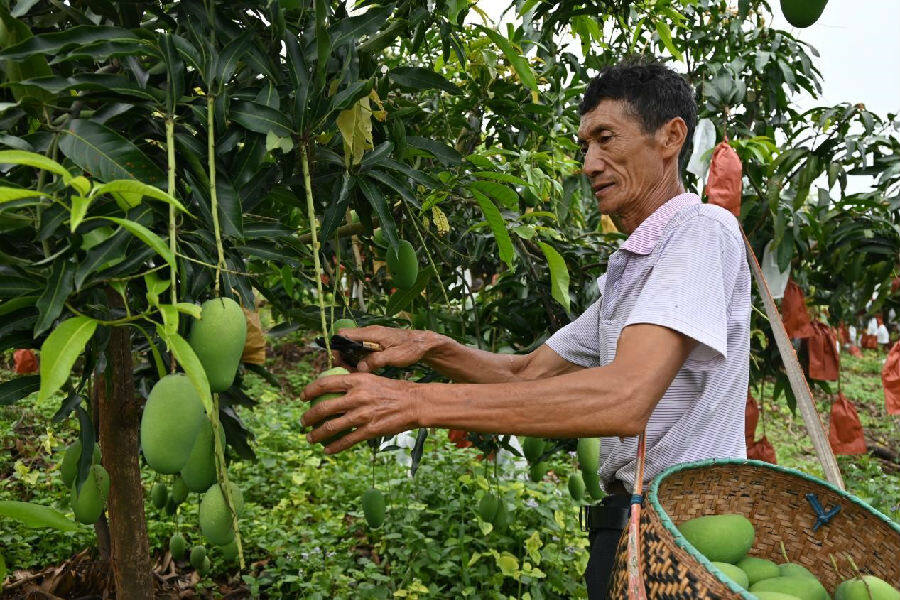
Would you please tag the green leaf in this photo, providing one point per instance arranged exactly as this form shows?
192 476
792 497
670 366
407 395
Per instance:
12 286
106 155
508 198
136 189
51 43
80 184
31 159
189 308
559 275
444 153
60 350
421 78
498 227
11 306
188 360
508 564
59 285
155 285
519 63
79 209
104 82
323 39
665 36
36 516
170 317
148 237
260 118
15 389
352 93
8 194
376 200
402 298
14 33
498 176
107 253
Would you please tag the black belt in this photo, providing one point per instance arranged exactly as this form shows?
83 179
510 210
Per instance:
611 513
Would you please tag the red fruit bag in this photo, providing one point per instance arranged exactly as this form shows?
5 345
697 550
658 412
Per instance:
460 438
890 378
762 449
844 334
824 362
25 361
869 342
855 351
723 186
794 313
845 431
751 418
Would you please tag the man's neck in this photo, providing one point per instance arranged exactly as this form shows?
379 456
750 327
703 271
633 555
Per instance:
643 207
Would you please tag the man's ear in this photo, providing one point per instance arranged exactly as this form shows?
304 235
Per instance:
672 136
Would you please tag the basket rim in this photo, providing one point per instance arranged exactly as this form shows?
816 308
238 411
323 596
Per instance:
681 541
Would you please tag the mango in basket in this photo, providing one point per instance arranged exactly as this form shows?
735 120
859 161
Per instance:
804 588
794 570
734 573
720 538
758 569
774 596
859 588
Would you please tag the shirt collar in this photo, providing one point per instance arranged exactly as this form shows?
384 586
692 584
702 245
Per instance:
643 239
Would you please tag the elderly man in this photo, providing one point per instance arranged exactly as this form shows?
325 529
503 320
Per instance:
664 350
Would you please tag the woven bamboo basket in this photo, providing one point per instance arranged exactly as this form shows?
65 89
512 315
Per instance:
774 499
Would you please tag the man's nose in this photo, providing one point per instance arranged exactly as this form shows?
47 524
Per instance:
593 162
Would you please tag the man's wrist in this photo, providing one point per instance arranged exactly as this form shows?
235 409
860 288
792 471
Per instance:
436 346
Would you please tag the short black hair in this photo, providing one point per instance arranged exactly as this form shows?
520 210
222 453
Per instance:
654 93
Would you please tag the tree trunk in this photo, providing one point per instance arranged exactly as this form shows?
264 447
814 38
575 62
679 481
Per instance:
119 424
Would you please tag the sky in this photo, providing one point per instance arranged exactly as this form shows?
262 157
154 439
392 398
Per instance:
859 46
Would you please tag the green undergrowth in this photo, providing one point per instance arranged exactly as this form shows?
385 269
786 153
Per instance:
303 529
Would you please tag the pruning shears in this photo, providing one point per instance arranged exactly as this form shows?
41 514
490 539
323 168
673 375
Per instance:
351 351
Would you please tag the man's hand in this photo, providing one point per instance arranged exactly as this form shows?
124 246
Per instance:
375 406
401 347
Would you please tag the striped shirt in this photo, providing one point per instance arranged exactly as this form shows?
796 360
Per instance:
684 268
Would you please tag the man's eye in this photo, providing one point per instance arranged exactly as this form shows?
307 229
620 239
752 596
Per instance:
605 138
583 148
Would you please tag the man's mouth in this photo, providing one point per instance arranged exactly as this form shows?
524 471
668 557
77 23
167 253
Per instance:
601 188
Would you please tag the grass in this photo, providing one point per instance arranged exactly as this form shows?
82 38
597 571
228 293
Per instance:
304 533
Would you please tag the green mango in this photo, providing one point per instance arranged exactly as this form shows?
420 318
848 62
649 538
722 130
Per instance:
177 546
794 570
215 518
159 493
804 588
589 454
537 471
758 569
774 596
179 491
504 518
171 421
532 448
342 324
199 472
592 484
720 538
323 397
488 507
861 588
378 238
88 503
734 573
205 567
198 555
802 13
576 487
403 265
171 507
68 469
373 507
217 338
229 552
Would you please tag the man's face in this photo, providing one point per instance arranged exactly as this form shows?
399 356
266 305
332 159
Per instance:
622 162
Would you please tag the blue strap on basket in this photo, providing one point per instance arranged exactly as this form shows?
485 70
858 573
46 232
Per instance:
637 498
822 516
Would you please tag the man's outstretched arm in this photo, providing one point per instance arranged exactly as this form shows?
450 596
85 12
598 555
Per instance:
616 399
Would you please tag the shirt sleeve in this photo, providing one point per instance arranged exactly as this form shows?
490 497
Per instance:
690 286
579 341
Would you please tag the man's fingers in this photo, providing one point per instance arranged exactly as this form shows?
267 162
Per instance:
370 333
327 385
326 409
332 427
394 357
